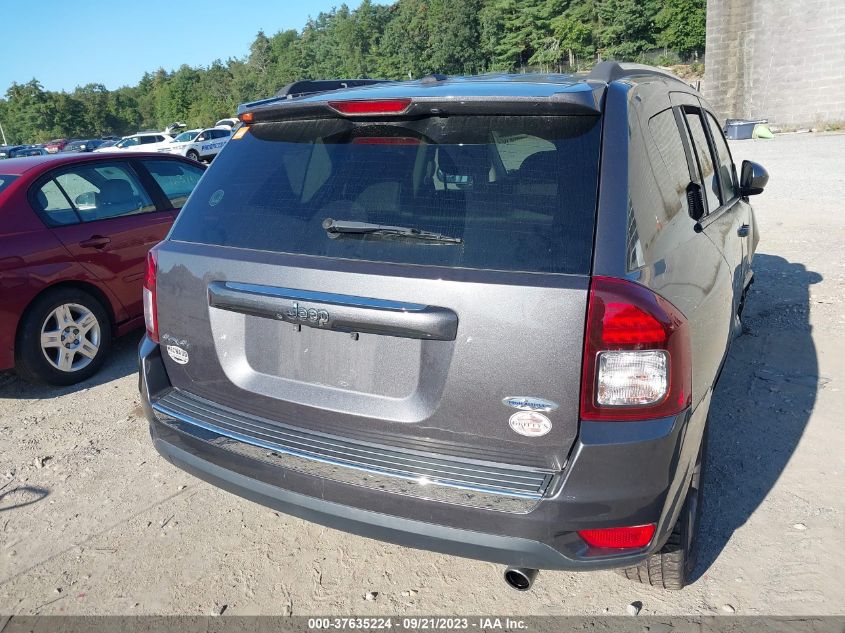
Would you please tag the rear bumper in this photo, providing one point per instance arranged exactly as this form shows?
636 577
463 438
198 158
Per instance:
617 475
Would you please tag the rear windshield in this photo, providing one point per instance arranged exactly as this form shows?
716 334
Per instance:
518 192
5 181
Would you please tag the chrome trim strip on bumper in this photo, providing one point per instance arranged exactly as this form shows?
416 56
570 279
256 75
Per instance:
499 488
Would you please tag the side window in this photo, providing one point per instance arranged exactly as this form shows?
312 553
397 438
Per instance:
727 171
54 205
676 175
202 137
120 193
91 192
709 178
176 179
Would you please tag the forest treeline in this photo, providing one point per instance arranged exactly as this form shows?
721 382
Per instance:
409 38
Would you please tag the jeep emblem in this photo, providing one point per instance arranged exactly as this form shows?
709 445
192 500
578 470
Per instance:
299 314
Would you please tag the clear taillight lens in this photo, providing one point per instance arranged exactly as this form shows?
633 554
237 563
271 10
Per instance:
627 379
637 361
150 308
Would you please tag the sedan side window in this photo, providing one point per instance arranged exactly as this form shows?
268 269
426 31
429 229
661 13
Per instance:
706 162
91 192
54 205
176 179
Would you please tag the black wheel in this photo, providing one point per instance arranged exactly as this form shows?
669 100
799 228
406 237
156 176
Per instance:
193 155
672 566
63 338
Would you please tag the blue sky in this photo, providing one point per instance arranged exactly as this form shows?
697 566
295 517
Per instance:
65 43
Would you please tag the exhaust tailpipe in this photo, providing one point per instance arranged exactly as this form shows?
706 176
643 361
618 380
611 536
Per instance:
521 578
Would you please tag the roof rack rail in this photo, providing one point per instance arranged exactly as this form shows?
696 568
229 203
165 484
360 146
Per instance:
306 87
609 71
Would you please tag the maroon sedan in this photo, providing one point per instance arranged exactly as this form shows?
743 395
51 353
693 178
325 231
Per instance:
74 236
56 145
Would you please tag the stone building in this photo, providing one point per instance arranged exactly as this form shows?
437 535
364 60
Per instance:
783 60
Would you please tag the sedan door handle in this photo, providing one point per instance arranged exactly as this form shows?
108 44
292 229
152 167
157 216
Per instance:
95 241
743 230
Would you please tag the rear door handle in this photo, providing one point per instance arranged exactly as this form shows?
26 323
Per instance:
95 241
342 313
743 230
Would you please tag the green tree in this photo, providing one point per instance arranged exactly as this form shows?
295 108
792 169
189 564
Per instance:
512 31
683 26
626 27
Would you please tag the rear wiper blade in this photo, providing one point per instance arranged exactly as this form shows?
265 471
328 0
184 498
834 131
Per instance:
336 227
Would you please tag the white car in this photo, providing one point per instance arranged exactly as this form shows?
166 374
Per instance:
199 145
141 142
230 123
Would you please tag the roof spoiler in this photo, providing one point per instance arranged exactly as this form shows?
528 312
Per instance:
308 87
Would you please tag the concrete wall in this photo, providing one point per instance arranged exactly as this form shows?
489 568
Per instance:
783 60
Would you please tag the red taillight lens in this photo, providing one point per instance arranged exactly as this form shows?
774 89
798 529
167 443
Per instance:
636 354
632 537
374 106
150 308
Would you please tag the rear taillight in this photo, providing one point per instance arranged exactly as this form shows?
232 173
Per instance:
636 354
150 308
633 537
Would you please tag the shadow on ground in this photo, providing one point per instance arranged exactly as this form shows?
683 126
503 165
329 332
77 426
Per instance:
121 362
762 403
20 497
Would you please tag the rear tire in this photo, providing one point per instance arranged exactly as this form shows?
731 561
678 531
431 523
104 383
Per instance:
63 338
193 155
672 566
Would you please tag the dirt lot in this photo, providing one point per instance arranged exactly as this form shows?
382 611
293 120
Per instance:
93 521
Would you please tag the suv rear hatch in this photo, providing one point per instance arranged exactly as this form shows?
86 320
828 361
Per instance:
390 279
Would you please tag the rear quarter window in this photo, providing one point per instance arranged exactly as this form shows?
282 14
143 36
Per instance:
519 192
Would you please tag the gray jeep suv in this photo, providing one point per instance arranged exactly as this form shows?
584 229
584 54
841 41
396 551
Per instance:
482 316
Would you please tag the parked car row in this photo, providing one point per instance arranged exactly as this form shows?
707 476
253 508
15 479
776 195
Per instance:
199 145
19 151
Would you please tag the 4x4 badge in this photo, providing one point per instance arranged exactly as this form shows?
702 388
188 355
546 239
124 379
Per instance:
529 403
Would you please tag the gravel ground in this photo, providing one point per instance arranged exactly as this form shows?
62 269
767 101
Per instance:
93 521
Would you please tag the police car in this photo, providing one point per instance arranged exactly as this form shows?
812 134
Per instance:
199 145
